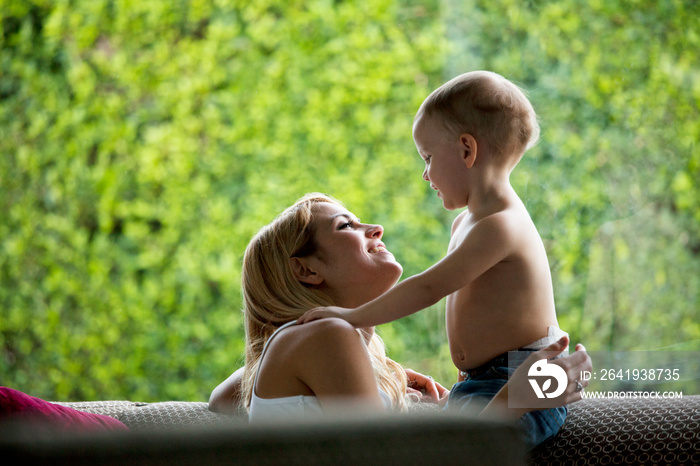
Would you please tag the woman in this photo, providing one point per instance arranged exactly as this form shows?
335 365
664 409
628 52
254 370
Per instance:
316 253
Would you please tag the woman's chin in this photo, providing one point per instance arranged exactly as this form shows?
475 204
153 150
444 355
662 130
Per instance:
399 272
395 275
396 270
386 281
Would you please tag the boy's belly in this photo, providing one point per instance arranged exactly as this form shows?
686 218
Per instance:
474 341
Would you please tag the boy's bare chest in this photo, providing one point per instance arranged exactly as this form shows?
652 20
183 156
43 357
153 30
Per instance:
524 263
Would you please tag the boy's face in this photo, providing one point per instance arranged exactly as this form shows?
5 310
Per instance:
445 167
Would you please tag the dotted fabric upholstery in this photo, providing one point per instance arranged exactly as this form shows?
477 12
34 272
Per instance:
174 414
626 431
157 416
106 408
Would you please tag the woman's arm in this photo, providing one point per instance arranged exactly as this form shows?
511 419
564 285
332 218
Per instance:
333 361
226 397
519 392
329 357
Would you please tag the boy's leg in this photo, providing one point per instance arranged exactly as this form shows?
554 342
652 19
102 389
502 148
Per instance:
541 425
473 395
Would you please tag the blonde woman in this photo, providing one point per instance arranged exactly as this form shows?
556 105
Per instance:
316 253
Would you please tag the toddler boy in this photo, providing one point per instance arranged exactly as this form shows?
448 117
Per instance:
472 132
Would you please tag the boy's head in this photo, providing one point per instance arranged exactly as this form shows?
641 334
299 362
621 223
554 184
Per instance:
490 108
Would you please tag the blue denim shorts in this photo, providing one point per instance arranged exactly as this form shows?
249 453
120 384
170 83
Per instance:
482 384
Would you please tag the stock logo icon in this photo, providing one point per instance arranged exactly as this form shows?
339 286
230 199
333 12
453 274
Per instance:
541 370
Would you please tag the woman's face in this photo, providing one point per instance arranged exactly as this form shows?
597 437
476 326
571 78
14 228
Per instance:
352 259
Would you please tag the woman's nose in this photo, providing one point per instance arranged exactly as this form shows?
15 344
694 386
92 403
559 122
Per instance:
375 231
425 174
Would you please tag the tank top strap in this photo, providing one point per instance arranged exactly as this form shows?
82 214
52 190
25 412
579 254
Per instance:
262 355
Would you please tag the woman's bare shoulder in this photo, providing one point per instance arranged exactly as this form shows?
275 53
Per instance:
319 333
302 349
319 357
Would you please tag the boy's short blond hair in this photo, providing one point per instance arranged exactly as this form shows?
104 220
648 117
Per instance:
490 108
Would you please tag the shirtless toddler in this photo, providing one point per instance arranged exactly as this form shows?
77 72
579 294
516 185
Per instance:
472 132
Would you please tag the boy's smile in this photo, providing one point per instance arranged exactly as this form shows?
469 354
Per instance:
445 168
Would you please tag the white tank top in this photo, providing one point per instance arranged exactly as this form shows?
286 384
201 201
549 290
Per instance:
297 407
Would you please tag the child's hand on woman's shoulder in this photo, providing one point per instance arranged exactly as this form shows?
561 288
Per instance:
324 313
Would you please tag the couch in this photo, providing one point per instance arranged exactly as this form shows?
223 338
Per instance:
603 431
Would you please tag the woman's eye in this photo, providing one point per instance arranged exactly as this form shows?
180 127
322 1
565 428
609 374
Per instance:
349 224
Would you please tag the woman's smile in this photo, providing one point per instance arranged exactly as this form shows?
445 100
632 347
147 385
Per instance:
353 257
379 248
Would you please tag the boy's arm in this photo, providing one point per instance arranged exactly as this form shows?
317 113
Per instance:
486 244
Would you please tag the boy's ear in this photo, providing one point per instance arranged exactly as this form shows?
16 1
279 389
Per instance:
469 146
304 272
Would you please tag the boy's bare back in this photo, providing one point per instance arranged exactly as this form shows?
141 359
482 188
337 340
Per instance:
511 304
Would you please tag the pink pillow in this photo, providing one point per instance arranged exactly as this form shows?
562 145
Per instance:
18 406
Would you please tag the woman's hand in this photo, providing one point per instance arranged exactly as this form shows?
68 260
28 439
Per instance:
325 312
518 396
425 389
521 393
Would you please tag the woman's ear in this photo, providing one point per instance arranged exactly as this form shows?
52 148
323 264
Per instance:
304 271
468 144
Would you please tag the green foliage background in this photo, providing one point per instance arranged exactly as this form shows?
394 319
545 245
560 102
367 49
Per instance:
142 144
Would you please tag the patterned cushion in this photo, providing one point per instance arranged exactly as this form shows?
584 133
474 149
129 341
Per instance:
106 408
626 431
174 414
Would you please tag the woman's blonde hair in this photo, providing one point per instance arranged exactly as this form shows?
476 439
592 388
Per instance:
273 295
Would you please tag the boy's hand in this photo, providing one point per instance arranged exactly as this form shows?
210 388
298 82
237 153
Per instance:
324 312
